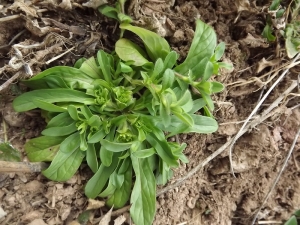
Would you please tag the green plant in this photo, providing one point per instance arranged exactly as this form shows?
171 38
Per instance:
290 31
117 111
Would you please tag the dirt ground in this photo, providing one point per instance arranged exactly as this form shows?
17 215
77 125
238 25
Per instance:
212 195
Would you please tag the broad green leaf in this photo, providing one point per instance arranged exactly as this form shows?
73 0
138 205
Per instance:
197 105
48 106
144 153
64 165
203 46
42 148
156 46
129 51
163 150
73 77
96 184
9 153
60 131
71 143
73 112
122 194
90 68
91 158
103 60
143 196
115 146
94 121
184 117
25 101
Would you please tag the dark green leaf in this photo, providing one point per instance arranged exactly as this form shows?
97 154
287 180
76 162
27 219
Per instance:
42 148
25 101
156 46
64 165
122 194
95 185
143 196
109 11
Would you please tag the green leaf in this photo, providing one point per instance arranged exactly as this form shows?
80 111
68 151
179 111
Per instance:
217 87
203 125
109 11
129 51
170 60
97 137
90 68
103 60
197 105
156 46
95 185
60 131
219 51
144 153
168 79
143 196
267 33
51 78
163 149
25 101
115 146
71 143
122 194
64 165
202 47
91 158
291 221
60 120
9 153
275 4
106 156
42 148
48 106
158 68
208 72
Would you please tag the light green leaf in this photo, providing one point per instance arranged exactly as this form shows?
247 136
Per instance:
292 221
104 62
143 196
90 68
129 51
109 11
203 125
42 148
168 79
217 87
219 51
25 101
64 165
203 46
170 60
156 46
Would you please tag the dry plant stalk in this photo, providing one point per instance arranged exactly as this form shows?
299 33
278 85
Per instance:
25 167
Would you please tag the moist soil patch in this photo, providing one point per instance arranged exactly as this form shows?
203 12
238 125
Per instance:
212 195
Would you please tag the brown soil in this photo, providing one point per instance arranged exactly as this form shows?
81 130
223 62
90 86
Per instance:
212 195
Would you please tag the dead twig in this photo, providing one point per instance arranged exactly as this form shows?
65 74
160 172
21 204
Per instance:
278 176
25 167
240 133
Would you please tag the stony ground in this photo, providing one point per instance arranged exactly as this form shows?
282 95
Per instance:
212 195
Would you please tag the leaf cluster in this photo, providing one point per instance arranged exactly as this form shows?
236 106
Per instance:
116 111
